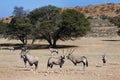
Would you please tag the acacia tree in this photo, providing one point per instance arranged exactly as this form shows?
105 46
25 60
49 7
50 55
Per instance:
20 26
52 24
72 24
44 19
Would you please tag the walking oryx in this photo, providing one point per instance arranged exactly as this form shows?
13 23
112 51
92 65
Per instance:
77 59
27 57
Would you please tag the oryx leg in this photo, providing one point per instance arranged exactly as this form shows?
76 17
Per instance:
83 65
36 65
25 63
60 69
75 67
31 67
49 67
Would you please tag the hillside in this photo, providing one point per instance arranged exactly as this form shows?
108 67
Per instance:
108 9
100 27
6 19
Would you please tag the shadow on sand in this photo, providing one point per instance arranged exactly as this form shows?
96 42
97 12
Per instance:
34 46
111 40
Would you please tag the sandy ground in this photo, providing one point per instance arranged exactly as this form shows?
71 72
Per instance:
12 67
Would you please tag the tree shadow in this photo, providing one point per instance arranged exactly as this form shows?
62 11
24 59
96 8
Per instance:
32 47
111 40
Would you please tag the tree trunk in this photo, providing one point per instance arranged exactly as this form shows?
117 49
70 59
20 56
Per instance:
50 42
54 43
24 41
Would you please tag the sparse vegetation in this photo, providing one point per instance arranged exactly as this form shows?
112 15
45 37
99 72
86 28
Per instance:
116 20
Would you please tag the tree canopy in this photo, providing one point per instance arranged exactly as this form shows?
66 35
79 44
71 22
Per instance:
20 26
53 24
2 28
50 23
73 24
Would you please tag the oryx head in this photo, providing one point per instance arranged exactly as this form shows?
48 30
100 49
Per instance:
62 57
23 53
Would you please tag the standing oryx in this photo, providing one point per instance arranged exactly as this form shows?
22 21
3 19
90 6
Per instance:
11 48
53 50
104 59
56 61
27 57
77 59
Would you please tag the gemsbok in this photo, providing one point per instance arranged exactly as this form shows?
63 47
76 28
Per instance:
77 59
104 59
11 48
53 50
56 60
27 57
